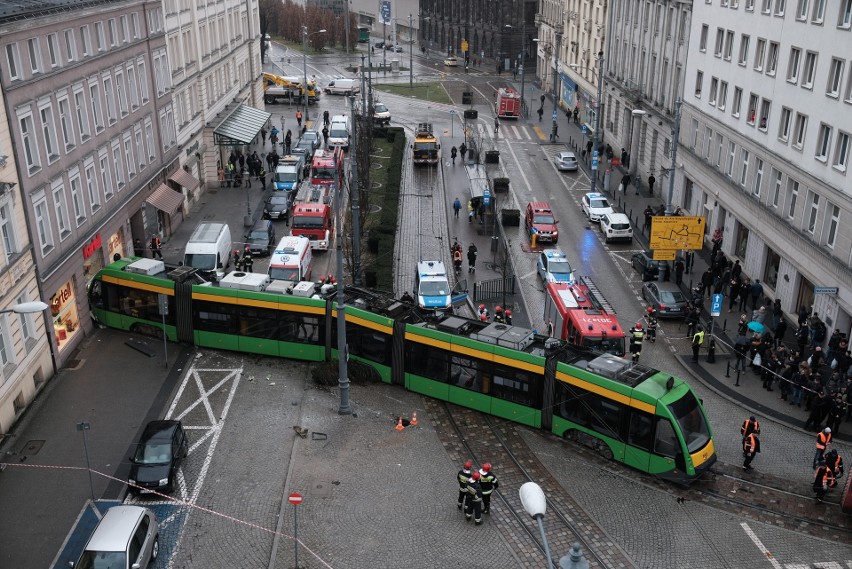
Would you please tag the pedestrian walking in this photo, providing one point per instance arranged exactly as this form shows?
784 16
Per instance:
246 177
261 175
751 446
540 113
471 258
462 151
470 211
651 181
299 118
325 119
138 248
248 261
325 135
637 336
220 175
750 426
649 215
456 208
740 351
678 270
488 482
463 476
263 134
625 183
156 251
288 142
823 480
474 499
496 125
756 293
238 262
697 341
453 152
576 114
823 439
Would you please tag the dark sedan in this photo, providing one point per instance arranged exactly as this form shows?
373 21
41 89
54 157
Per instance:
666 298
159 453
276 207
261 238
647 267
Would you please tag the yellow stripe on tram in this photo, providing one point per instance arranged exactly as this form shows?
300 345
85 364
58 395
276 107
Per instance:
703 455
139 285
604 392
257 303
474 353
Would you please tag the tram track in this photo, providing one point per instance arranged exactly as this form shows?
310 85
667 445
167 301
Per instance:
472 435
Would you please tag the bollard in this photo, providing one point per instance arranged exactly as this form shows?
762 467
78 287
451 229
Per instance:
575 559
728 369
724 325
711 351
533 240
737 384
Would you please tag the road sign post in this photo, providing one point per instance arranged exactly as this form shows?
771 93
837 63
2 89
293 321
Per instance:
163 305
295 499
715 310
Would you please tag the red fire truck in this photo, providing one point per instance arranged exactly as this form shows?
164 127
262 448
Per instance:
508 103
327 167
579 314
312 215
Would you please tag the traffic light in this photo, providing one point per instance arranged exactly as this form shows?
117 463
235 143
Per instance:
467 98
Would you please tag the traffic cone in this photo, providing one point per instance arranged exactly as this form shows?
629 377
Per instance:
414 419
399 426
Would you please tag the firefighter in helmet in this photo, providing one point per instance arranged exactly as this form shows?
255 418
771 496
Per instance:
498 314
637 335
488 481
463 476
474 499
248 263
651 333
483 313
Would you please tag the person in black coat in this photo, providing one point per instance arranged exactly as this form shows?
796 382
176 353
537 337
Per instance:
780 330
678 269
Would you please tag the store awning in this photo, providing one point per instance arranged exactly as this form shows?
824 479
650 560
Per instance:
185 179
240 127
166 199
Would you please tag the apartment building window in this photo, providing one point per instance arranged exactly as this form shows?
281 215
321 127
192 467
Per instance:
70 45
709 142
134 24
35 55
776 188
123 30
752 109
765 111
813 211
714 86
694 134
111 32
732 154
835 77
736 104
13 60
86 36
845 20
25 320
744 44
66 123
819 12
60 208
143 79
699 81
132 87
702 43
110 97
780 6
729 44
720 39
793 65
6 356
82 113
140 147
744 158
772 58
103 164
97 112
809 71
833 224
848 96
823 142
42 219
720 143
116 164
841 151
792 197
99 36
799 130
92 185
28 142
784 126
7 230
766 6
802 10
128 155
149 140
53 50
723 95
758 177
121 93
48 132
77 196
749 5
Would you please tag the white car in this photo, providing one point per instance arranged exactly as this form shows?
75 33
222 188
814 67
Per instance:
595 205
451 62
566 162
381 114
616 226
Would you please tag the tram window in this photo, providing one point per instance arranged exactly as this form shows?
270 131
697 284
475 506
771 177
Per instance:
258 323
606 415
665 441
465 373
365 343
96 294
294 327
515 385
210 321
687 412
641 430
140 304
572 405
426 361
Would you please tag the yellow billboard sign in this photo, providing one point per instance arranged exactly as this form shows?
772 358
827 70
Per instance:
664 254
677 232
464 46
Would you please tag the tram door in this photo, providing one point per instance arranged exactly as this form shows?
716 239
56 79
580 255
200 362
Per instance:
640 440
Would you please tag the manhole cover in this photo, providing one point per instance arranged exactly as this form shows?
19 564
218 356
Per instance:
321 489
32 447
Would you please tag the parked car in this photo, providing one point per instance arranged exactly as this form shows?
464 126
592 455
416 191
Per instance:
127 537
261 237
276 206
380 43
666 298
566 162
595 205
647 266
554 267
381 114
616 226
157 457
451 62
398 48
388 47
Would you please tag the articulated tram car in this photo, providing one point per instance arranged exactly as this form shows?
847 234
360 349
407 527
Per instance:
631 413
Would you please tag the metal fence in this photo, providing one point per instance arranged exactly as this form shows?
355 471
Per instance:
493 288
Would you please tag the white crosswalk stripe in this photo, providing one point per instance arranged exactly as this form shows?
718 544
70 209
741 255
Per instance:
508 131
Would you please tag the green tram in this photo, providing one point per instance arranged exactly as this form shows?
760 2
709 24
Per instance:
631 413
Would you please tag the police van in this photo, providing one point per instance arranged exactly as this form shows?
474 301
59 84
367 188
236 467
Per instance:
433 286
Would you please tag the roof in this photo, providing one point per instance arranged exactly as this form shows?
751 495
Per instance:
207 232
240 127
185 179
431 268
115 528
21 9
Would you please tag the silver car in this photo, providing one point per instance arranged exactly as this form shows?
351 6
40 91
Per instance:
666 298
126 537
566 162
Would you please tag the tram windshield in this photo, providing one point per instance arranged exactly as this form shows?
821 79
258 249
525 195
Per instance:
687 413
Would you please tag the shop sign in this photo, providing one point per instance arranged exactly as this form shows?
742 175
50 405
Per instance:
61 298
116 242
90 248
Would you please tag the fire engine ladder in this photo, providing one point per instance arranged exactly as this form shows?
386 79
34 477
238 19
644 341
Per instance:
597 296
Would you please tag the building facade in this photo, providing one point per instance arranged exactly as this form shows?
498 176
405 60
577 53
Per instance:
25 362
88 100
765 144
214 49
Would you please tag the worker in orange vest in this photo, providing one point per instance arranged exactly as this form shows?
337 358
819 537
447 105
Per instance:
750 426
822 442
751 446
823 480
299 118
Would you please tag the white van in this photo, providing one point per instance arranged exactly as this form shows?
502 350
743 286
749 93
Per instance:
209 248
338 132
291 260
343 87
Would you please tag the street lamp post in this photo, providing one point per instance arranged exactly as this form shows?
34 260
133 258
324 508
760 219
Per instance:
545 85
596 140
305 96
410 57
521 65
26 308
535 504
